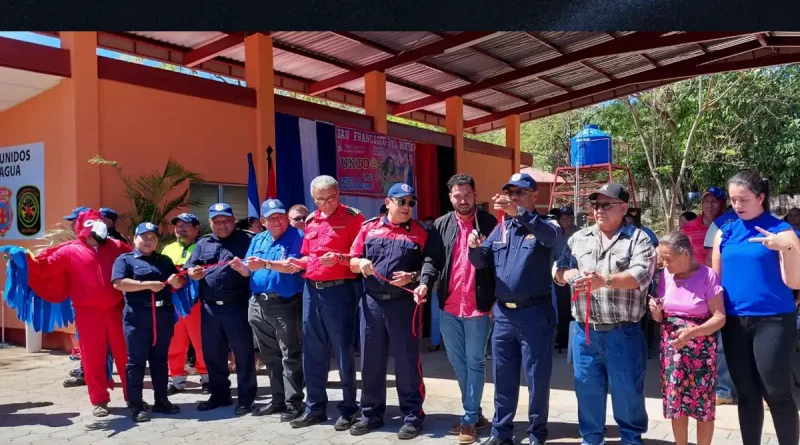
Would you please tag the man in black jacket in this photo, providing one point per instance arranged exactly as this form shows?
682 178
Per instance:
466 296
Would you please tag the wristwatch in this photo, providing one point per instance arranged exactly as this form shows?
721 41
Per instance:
608 282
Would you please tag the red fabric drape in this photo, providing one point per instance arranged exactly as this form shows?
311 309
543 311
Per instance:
426 174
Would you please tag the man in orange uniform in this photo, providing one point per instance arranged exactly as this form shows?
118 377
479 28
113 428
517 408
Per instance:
187 229
329 303
81 269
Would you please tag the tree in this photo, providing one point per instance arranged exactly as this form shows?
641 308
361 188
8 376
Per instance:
150 194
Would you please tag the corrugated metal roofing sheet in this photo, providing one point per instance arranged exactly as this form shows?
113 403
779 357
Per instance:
400 40
332 45
187 39
304 67
422 75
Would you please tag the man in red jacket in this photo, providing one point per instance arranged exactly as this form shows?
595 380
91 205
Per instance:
81 269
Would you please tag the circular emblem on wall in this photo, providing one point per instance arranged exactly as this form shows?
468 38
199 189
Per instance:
29 210
6 213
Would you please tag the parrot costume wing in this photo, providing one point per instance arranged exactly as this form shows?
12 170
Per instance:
48 307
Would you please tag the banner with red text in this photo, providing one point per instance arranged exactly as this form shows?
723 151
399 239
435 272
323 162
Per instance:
369 163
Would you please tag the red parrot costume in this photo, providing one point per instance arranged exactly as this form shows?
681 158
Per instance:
83 271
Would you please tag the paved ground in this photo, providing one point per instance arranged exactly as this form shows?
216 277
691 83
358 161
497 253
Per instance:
36 409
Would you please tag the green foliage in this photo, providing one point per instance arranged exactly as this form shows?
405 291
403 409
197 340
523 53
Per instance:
152 195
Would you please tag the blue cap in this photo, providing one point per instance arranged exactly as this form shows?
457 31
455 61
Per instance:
75 212
272 206
717 193
186 217
399 190
109 213
145 227
521 180
219 209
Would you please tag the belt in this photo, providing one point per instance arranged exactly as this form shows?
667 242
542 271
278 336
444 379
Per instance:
383 297
267 296
162 303
326 284
607 327
524 303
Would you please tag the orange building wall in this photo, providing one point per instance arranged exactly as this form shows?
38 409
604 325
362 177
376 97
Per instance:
490 173
141 128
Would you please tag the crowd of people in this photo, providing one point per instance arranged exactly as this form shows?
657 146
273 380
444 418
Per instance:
310 282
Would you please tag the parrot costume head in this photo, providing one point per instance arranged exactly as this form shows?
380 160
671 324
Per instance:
90 225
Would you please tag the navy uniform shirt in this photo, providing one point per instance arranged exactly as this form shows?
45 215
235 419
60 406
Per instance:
522 263
391 248
221 283
140 267
286 246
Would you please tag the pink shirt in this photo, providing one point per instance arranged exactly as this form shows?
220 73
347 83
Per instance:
461 300
688 297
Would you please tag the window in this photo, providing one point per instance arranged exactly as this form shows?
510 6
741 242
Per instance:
205 194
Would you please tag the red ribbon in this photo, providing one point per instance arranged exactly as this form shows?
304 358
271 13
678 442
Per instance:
180 273
575 296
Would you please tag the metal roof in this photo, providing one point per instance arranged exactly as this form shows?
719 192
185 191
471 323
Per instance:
532 74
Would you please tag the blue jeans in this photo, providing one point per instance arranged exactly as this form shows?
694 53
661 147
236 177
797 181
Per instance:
436 332
465 342
725 388
615 361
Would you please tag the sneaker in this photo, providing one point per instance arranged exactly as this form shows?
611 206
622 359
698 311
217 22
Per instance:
140 415
364 426
73 382
455 429
100 410
166 407
409 431
344 423
172 389
307 419
468 434
75 372
724 400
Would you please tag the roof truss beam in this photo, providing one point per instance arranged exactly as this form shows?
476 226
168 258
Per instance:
632 43
431 49
688 68
211 50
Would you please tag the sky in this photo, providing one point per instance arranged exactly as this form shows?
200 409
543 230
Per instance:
56 43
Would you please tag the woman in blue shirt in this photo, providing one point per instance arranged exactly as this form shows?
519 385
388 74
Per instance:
758 258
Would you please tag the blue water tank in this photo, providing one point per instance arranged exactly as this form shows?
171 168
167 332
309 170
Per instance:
590 146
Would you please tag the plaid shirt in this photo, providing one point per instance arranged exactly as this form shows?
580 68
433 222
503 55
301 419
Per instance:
630 251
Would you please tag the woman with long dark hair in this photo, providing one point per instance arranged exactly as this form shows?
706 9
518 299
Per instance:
758 258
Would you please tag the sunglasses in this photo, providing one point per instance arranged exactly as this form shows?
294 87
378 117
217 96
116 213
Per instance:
602 205
403 201
298 218
517 192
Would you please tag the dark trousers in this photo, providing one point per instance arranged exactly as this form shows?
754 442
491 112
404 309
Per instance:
386 325
328 323
138 328
761 367
563 297
276 325
223 327
522 339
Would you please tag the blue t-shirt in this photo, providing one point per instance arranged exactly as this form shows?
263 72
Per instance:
751 273
286 246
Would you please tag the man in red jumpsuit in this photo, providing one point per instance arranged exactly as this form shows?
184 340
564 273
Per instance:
81 269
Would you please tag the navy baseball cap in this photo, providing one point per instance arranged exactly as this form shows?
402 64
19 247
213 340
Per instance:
146 227
109 213
717 193
521 180
399 190
75 212
186 217
219 209
611 190
272 206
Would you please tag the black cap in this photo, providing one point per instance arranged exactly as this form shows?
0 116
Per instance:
611 190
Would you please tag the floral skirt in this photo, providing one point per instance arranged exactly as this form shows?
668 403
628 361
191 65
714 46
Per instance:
688 374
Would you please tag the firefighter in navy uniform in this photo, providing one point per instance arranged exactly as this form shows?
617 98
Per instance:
145 277
524 316
393 247
225 296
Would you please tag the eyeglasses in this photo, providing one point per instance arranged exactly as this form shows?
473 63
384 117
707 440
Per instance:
403 201
299 218
329 200
517 192
602 205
